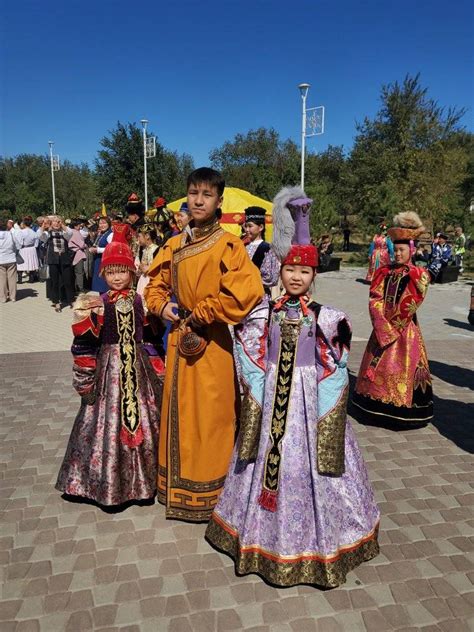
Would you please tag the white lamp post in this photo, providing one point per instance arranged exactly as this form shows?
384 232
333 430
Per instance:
303 88
54 161
315 122
144 123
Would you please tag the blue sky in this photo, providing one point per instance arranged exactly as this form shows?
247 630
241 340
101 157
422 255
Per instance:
203 71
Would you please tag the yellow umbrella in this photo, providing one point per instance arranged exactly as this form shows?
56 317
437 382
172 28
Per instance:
235 202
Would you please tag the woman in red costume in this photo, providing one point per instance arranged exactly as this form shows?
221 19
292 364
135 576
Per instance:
394 380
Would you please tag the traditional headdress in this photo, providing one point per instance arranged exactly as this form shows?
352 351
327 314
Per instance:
162 216
146 227
117 254
291 238
184 208
407 227
255 214
160 202
135 206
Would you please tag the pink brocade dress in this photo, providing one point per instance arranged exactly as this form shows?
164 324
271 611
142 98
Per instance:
111 456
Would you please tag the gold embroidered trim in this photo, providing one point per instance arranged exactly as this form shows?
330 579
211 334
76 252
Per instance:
331 438
125 316
308 568
290 331
197 247
250 424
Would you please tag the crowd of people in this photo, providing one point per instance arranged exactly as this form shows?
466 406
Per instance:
228 406
440 254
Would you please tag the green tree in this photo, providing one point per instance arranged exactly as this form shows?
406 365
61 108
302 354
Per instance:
258 162
119 168
405 158
25 187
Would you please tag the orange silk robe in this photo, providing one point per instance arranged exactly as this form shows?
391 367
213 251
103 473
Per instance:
213 277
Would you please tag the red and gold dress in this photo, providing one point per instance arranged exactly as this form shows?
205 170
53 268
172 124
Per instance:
394 379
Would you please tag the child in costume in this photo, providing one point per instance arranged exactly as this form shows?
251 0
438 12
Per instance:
297 506
380 252
111 456
147 238
394 381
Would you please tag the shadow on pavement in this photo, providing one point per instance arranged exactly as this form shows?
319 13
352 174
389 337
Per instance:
455 421
26 292
363 281
112 509
457 375
458 323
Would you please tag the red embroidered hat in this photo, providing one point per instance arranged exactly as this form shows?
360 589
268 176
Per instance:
306 255
117 253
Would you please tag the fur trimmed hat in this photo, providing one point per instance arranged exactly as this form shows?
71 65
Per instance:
407 226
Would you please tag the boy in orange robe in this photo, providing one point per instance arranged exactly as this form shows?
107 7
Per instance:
216 285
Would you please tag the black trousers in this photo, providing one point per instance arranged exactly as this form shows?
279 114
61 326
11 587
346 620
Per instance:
61 287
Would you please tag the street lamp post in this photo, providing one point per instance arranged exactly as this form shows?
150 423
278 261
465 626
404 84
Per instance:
144 123
312 118
303 88
52 162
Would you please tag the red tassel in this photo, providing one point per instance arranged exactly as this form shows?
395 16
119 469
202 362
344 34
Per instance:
157 364
129 439
268 500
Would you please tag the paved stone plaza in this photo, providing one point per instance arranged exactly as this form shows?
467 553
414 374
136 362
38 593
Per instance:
73 567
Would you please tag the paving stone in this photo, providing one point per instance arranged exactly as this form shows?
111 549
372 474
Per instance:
228 620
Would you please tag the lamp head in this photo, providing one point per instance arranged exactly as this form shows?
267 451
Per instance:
303 88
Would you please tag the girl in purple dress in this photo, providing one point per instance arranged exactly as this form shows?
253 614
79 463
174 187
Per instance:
297 506
111 456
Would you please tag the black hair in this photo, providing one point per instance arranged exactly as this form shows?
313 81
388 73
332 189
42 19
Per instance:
74 223
209 176
3 224
27 220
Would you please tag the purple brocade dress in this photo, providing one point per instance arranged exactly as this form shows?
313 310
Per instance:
303 512
111 456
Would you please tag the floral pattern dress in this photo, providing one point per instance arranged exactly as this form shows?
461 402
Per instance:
112 453
394 380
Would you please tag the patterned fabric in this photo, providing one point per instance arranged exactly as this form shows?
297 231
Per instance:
323 525
394 378
380 254
98 463
59 244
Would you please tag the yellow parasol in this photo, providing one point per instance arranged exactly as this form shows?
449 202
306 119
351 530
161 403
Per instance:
235 202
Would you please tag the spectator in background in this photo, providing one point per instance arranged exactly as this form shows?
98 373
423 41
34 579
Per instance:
103 237
59 257
441 254
459 247
28 239
8 274
77 244
325 250
346 233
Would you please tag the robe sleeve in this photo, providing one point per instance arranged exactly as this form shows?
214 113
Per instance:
333 339
86 327
270 269
158 290
240 289
383 329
